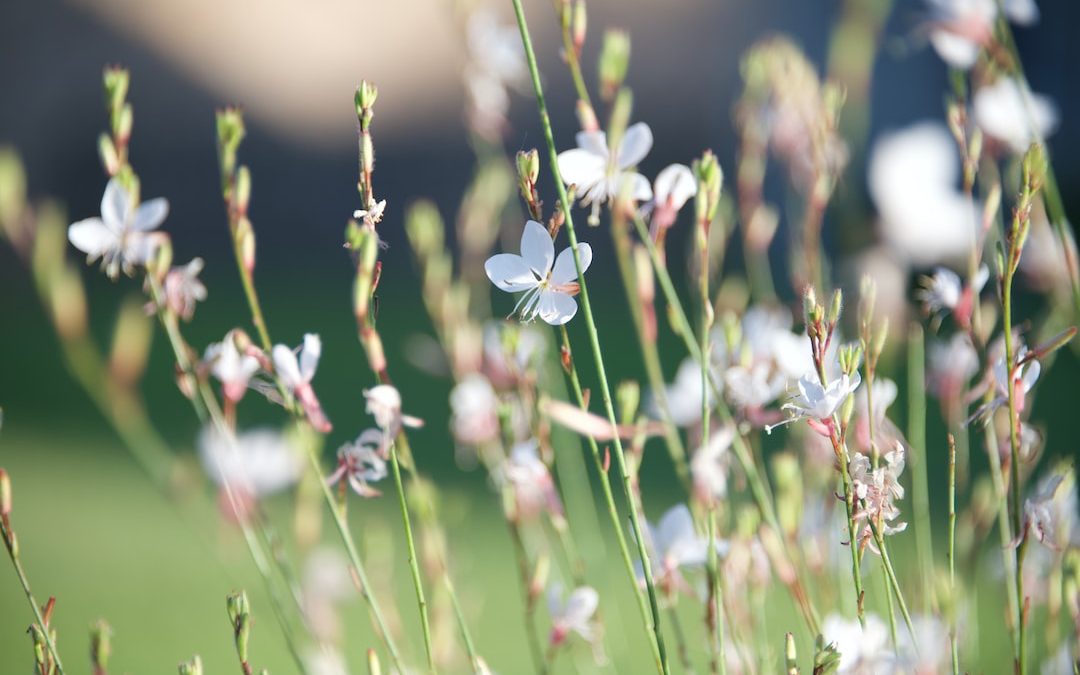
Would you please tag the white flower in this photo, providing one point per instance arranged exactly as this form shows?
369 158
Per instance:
671 190
863 651
1049 513
912 177
815 402
575 615
885 391
371 217
549 283
676 545
1017 118
684 394
598 175
258 463
961 27
120 236
296 375
473 404
383 402
945 292
951 364
753 387
1024 378
232 368
183 289
361 463
709 465
877 491
534 489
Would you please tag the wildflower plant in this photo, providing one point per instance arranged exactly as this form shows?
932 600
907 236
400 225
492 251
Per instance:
777 428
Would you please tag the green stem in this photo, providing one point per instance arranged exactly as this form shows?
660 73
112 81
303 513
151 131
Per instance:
414 565
716 638
1014 464
9 539
535 649
594 339
952 554
917 439
893 582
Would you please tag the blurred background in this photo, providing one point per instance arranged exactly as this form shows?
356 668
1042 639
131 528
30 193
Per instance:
93 532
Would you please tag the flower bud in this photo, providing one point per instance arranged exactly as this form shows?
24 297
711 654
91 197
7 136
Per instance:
116 80
110 159
244 241
710 179
586 116
579 25
539 577
373 665
242 194
614 62
628 397
124 122
365 97
67 300
100 645
1053 344
239 610
1034 167
192 667
834 307
5 493
230 131
528 166
790 655
810 306
425 229
131 343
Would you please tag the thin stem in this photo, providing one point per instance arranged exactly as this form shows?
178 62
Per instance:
952 552
715 609
9 540
609 500
893 582
358 566
535 649
917 439
594 339
1014 464
414 566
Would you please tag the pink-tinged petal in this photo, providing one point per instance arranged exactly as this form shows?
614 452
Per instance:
581 168
509 272
581 605
564 271
594 142
537 249
676 525
309 356
151 214
92 237
115 205
286 366
634 145
675 184
556 308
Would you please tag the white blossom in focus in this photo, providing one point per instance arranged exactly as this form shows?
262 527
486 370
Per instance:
599 175
121 236
549 283
815 402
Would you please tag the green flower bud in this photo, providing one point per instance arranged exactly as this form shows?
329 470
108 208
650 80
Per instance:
614 62
5 493
100 645
192 667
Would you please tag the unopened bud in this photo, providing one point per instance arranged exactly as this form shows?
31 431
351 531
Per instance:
100 645
244 241
230 131
1034 167
192 667
160 261
580 25
539 577
5 493
125 120
425 229
791 657
373 665
116 80
366 94
628 397
528 165
710 178
110 159
67 300
614 62
810 306
12 194
239 610
835 306
131 343
242 195
879 340
586 116
1055 343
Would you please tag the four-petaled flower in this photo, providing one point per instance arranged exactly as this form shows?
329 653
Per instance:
534 488
296 374
599 175
121 236
945 292
360 463
549 283
818 403
575 615
676 545
232 368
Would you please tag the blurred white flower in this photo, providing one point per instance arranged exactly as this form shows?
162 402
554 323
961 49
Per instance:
1004 112
474 410
912 176
496 61
671 190
876 492
676 546
232 368
961 28
296 374
575 615
256 463
1051 510
534 489
952 364
815 402
709 465
549 283
361 463
863 651
598 175
183 289
1023 379
121 236
326 661
944 292
383 402
684 394
753 387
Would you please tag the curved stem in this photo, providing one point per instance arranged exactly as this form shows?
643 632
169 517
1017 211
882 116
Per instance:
594 340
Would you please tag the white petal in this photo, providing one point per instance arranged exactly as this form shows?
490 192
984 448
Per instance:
537 248
634 145
151 214
509 272
115 204
581 168
1006 112
564 271
594 142
676 184
286 366
1021 12
640 190
92 236
955 50
581 604
557 308
676 525
309 356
